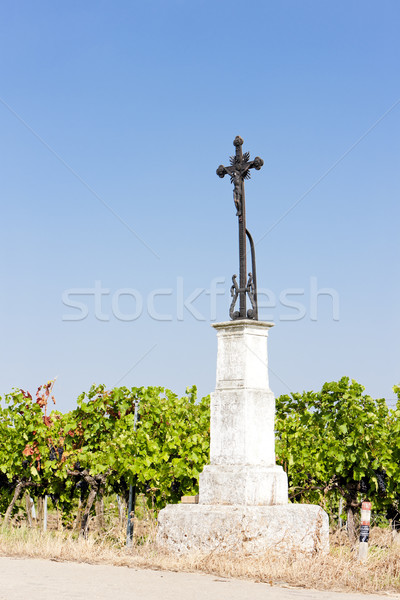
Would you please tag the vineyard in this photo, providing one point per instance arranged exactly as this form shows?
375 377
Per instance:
339 446
97 449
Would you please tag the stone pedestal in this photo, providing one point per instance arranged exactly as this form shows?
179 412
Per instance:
285 529
243 497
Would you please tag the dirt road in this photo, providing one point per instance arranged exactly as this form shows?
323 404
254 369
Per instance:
36 579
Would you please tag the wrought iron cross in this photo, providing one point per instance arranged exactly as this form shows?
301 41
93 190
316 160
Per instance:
239 170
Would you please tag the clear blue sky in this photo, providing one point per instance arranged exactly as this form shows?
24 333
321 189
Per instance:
114 117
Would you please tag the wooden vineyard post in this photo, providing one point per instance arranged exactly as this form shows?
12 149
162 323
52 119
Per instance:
364 531
30 509
45 513
121 510
340 521
39 502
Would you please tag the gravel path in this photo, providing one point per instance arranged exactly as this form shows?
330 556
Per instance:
37 579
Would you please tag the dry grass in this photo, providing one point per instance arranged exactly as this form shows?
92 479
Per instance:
339 570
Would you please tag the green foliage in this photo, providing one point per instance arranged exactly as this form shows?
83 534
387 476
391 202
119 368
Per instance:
25 431
335 440
338 441
98 447
163 455
394 441
396 390
171 445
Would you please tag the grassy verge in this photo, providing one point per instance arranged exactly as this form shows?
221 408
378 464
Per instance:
338 570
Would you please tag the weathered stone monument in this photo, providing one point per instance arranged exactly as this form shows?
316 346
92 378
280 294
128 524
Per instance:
243 498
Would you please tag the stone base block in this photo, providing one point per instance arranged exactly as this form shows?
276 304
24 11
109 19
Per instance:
252 485
290 529
242 425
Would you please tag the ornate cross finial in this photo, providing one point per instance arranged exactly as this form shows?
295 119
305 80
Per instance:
239 170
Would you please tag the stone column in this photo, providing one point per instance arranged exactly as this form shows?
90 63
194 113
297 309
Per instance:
243 497
242 468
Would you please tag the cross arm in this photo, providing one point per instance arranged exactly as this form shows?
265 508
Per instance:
256 164
243 168
222 171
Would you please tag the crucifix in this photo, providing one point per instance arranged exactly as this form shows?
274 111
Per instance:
239 170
